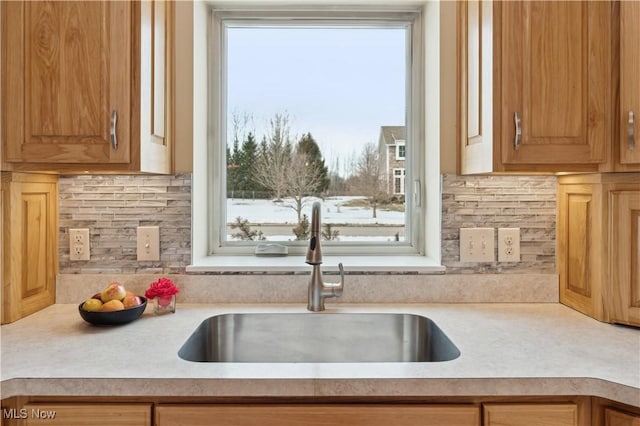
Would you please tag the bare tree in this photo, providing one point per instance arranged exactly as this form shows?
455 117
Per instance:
241 125
274 157
368 179
287 171
304 178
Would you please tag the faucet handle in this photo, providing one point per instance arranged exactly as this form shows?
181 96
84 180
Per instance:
336 289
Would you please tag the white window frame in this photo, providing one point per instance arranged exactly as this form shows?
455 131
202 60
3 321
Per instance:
398 156
422 125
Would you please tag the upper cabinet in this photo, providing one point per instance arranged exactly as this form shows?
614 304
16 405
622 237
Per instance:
554 68
546 73
86 86
628 152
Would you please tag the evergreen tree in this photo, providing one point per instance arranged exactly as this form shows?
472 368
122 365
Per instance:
247 159
308 147
233 167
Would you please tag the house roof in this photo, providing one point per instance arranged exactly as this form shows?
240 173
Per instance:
390 134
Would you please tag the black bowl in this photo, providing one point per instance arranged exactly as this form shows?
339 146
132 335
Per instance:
114 317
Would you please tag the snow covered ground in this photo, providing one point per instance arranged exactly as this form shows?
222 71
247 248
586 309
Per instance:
333 211
277 220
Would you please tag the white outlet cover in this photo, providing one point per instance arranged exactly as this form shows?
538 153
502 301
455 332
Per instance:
79 247
148 243
508 244
477 245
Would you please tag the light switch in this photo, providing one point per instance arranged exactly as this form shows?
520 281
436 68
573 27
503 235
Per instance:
477 245
148 243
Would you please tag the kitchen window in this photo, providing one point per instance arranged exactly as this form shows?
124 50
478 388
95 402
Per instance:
259 135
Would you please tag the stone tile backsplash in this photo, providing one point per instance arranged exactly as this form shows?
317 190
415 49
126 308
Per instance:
525 202
113 206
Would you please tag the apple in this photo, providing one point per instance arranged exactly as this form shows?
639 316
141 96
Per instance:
112 305
131 301
114 291
92 305
97 296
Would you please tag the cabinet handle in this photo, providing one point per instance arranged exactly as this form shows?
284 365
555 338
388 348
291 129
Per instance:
516 120
114 122
631 131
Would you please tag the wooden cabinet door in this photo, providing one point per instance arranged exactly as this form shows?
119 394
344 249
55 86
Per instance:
318 415
555 83
629 84
618 418
29 243
579 239
530 415
67 80
84 414
625 256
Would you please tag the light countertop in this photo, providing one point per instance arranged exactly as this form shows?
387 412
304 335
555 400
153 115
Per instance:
521 349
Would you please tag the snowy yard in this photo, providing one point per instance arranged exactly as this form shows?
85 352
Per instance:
333 211
277 220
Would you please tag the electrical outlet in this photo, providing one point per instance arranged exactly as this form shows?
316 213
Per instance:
79 248
148 243
508 244
477 245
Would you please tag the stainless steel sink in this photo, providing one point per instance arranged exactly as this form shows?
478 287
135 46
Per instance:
308 337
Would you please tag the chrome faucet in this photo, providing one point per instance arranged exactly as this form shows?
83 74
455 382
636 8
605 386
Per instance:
318 290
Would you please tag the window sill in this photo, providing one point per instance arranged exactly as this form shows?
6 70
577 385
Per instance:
295 264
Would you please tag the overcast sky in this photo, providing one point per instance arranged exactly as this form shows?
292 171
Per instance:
339 84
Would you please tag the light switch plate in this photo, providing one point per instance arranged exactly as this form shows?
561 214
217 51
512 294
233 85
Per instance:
79 248
148 243
508 244
477 245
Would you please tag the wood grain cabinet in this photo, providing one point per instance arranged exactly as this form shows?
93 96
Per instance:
614 417
86 414
531 415
535 86
29 243
318 415
598 237
628 147
86 86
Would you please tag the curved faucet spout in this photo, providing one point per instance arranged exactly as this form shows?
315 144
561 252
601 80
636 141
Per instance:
318 290
314 252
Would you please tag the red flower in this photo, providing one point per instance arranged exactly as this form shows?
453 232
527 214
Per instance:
162 288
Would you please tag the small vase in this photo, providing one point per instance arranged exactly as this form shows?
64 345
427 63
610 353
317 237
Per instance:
164 304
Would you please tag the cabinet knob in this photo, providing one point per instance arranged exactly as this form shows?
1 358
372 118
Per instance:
114 122
518 137
631 131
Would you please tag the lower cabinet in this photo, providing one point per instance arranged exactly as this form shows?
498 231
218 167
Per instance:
317 415
531 415
29 243
78 414
614 417
598 245
450 411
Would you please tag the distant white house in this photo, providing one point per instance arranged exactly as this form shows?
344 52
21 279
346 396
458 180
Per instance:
392 150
